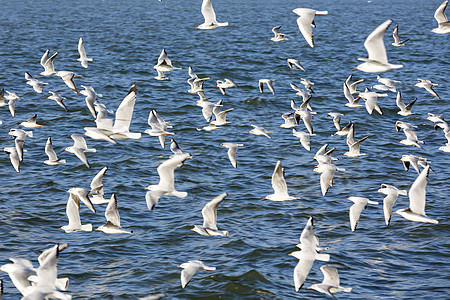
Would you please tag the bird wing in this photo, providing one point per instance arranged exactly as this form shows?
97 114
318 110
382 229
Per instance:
187 273
400 102
208 12
209 211
330 275
374 43
439 15
395 35
96 182
111 212
355 213
152 198
232 155
79 141
49 150
326 179
417 193
81 49
301 271
304 23
72 212
278 182
125 111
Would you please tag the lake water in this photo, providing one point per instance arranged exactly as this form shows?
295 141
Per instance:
405 260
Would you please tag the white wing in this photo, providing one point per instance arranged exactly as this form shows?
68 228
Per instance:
125 111
278 183
209 211
111 212
49 150
417 193
374 43
208 12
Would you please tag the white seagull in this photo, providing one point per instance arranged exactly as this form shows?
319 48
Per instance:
164 63
269 83
159 127
209 213
190 268
53 159
58 99
166 185
83 58
304 138
81 194
295 64
36 84
391 193
13 157
330 283
353 145
258 130
91 96
352 85
357 208
232 148
97 187
306 20
278 36
112 218
31 122
47 63
210 17
279 185
225 84
68 77
377 60
73 214
405 110
428 86
441 18
327 171
79 148
397 42
417 196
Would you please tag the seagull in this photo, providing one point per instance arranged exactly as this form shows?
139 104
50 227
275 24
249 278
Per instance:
258 130
36 84
352 86
97 187
324 152
83 58
12 97
388 82
19 139
397 42
428 86
295 64
31 122
166 185
308 84
269 83
67 77
336 119
57 97
352 102
232 148
435 118
13 157
307 255
414 161
289 120
190 268
330 283
73 214
417 196
47 63
209 213
411 136
122 121
79 148
210 17
53 159
159 127
391 193
195 82
357 208
221 117
112 218
60 283
306 20
278 36
91 96
327 171
371 101
304 138
279 185
405 110
225 84
377 61
441 18
164 63
353 145
81 194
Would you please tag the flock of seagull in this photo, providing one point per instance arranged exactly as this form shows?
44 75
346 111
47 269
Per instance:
42 282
